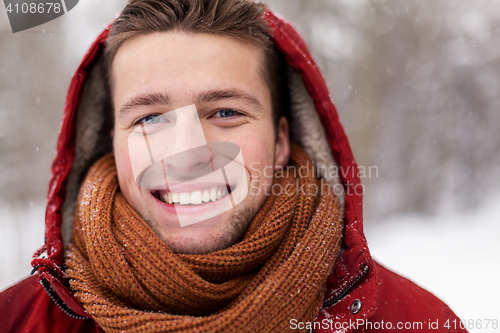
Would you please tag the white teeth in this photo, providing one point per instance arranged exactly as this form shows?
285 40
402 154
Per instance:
185 199
213 194
196 197
205 196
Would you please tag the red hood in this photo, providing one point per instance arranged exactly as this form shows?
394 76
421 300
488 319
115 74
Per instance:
355 260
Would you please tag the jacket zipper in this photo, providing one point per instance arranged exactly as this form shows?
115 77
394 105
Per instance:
59 302
341 294
344 292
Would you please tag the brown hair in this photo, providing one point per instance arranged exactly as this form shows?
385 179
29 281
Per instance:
240 19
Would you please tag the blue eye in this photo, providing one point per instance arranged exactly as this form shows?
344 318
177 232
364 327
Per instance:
150 120
225 113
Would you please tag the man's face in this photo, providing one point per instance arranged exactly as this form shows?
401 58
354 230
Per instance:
207 89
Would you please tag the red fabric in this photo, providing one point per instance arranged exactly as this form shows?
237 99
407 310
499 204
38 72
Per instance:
400 300
383 294
26 307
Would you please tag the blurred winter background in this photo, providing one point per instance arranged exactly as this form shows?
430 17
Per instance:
417 86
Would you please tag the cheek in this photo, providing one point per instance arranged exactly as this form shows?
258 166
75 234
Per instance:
258 156
257 144
123 166
257 149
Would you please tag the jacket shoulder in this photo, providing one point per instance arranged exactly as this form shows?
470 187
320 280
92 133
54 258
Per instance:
26 307
402 301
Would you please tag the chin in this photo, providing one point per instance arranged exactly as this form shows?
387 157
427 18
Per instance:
214 234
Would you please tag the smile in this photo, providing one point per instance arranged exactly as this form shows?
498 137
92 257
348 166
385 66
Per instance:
197 197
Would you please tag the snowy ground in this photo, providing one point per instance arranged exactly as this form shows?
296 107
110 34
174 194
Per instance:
456 257
453 256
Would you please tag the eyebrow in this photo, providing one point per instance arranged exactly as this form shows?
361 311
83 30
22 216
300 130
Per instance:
216 95
143 100
204 97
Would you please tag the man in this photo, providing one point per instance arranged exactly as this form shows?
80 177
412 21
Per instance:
179 203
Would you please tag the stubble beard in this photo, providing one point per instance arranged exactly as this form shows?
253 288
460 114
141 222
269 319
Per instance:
227 236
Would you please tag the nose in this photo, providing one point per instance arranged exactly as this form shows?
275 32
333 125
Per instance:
187 155
187 131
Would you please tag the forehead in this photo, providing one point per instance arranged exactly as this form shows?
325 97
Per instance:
184 63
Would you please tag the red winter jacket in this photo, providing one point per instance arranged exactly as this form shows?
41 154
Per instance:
361 296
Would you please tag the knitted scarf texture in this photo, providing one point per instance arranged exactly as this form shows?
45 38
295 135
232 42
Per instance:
130 281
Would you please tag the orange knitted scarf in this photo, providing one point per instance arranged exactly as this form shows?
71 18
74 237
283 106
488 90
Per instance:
130 281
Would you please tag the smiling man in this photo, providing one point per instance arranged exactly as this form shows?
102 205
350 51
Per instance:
195 190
